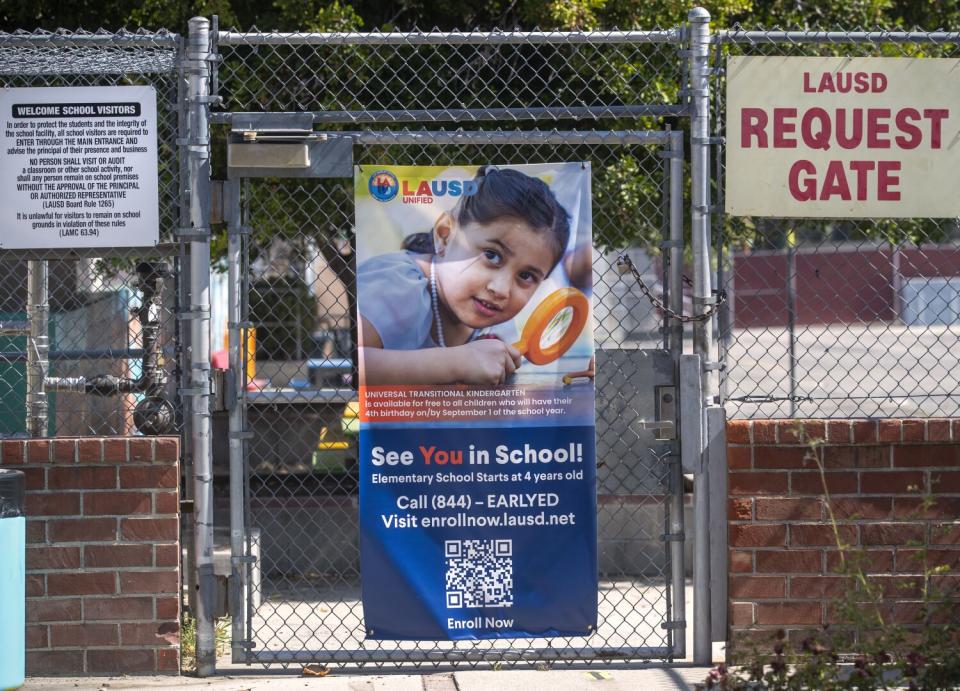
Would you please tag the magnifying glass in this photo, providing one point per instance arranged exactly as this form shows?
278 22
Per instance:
554 326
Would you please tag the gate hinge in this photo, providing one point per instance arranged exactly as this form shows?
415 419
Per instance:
669 154
675 624
243 559
669 244
242 434
673 537
193 233
714 367
238 230
246 644
240 325
708 140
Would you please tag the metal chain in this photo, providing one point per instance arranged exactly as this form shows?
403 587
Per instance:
721 296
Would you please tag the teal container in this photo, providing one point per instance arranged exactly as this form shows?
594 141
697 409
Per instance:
12 578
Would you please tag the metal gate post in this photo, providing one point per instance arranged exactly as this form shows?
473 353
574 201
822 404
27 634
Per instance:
702 329
198 159
675 329
38 346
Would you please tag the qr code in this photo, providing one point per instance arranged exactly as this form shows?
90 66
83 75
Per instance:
479 573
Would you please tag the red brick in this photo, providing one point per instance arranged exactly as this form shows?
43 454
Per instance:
117 503
900 534
838 431
83 530
938 430
914 430
739 457
141 450
757 587
168 659
53 558
34 478
945 534
945 482
754 482
897 587
167 449
926 456
921 561
36 584
757 535
741 561
52 504
873 456
64 450
97 583
833 457
62 609
740 509
149 582
36 531
117 608
115 450
818 587
166 503
789 561
106 556
783 509
38 451
168 608
741 614
865 432
789 432
82 477
892 482
44 663
868 561
120 661
821 535
764 432
891 430
150 528
38 636
12 452
813 431
89 451
926 507
83 635
150 477
153 633
782 457
862 508
813 482
775 613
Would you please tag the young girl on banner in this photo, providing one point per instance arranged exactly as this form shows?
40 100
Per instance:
478 267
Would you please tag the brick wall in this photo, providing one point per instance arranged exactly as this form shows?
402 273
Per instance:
103 553
783 554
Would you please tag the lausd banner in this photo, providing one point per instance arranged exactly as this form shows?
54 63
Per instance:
477 458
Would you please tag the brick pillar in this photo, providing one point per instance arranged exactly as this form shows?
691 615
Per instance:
784 559
103 553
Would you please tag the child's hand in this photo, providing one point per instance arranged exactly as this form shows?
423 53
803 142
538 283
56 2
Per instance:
487 361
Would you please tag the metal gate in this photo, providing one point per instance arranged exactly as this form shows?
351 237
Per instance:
293 468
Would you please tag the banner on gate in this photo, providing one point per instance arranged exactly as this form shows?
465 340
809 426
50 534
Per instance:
842 137
477 459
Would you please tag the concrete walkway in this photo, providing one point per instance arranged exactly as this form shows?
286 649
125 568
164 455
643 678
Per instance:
592 678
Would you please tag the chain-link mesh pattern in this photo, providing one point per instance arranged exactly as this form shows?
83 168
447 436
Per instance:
93 293
837 318
301 511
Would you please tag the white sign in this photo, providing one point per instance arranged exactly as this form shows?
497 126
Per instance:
79 167
843 137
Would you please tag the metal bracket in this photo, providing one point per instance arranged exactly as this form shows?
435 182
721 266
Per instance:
673 537
193 233
708 301
669 244
675 624
194 391
714 366
706 209
239 230
194 314
708 140
247 645
669 154
240 325
243 559
242 434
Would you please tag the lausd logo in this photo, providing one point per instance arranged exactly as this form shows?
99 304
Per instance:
383 185
424 192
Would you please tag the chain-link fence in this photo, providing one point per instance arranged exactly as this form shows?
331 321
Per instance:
836 317
458 99
90 304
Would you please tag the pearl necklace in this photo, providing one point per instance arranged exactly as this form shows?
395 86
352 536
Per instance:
435 301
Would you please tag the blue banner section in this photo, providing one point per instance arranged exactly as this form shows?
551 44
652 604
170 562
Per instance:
478 532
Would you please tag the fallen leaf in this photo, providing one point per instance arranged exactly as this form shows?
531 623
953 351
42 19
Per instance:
315 671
